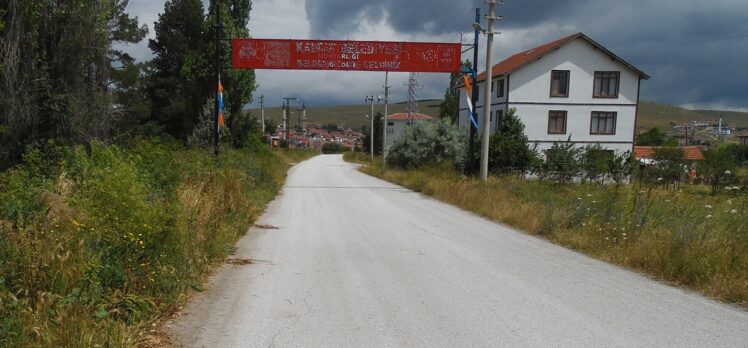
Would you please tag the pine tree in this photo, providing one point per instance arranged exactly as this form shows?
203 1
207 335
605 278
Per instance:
509 149
177 92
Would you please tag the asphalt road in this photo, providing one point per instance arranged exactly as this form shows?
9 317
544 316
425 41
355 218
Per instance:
359 262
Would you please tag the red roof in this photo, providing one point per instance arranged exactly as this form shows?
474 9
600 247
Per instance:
691 153
521 59
742 134
404 116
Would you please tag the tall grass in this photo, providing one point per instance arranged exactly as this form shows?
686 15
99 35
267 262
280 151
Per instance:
97 242
686 237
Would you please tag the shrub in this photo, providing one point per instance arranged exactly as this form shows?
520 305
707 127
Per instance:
94 241
202 133
509 149
669 164
718 167
621 166
245 131
562 162
596 162
437 141
329 148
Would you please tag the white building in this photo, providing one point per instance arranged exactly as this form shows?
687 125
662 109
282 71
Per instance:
571 87
396 124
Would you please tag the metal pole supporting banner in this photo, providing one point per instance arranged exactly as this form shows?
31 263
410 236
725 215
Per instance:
485 125
285 121
218 75
384 128
471 146
372 128
262 113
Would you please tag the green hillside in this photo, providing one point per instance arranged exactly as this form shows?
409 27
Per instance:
348 116
651 114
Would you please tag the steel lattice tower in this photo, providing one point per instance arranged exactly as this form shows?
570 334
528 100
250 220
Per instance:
413 87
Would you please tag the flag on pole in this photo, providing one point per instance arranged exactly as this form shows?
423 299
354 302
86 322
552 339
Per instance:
220 104
468 94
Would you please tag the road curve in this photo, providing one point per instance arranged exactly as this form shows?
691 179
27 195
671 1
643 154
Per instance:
359 262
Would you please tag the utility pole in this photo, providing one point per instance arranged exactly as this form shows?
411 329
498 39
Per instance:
384 128
218 75
286 110
262 113
299 110
485 125
285 118
370 99
303 118
474 97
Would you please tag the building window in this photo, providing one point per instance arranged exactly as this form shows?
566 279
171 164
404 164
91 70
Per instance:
603 122
499 118
500 92
560 83
606 84
556 122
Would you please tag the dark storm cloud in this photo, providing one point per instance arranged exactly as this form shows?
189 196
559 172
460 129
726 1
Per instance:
695 51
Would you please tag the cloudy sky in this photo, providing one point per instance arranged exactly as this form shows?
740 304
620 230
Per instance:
696 52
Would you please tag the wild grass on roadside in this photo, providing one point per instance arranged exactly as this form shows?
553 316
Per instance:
686 237
359 157
97 242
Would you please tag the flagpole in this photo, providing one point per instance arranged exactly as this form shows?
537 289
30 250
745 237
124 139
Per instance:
218 75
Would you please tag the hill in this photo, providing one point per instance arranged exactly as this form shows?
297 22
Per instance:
348 116
651 114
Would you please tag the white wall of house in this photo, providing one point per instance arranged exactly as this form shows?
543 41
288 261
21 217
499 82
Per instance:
529 92
395 130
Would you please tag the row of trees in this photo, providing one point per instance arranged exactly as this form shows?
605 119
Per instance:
509 152
64 78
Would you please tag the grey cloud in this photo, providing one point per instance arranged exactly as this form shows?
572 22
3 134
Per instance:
695 51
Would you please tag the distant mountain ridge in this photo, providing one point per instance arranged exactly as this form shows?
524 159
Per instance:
651 114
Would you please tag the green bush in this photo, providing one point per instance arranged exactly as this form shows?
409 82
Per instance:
95 240
596 162
669 165
329 148
719 167
509 149
562 162
437 141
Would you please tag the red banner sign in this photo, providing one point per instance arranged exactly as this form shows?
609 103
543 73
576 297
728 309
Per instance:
345 55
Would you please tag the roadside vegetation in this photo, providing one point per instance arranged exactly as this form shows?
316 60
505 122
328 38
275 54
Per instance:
112 206
644 218
97 242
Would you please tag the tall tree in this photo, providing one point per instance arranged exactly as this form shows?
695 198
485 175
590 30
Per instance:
177 93
57 62
184 67
238 84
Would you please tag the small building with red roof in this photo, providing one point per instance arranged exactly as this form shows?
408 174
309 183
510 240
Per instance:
569 88
396 124
690 153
